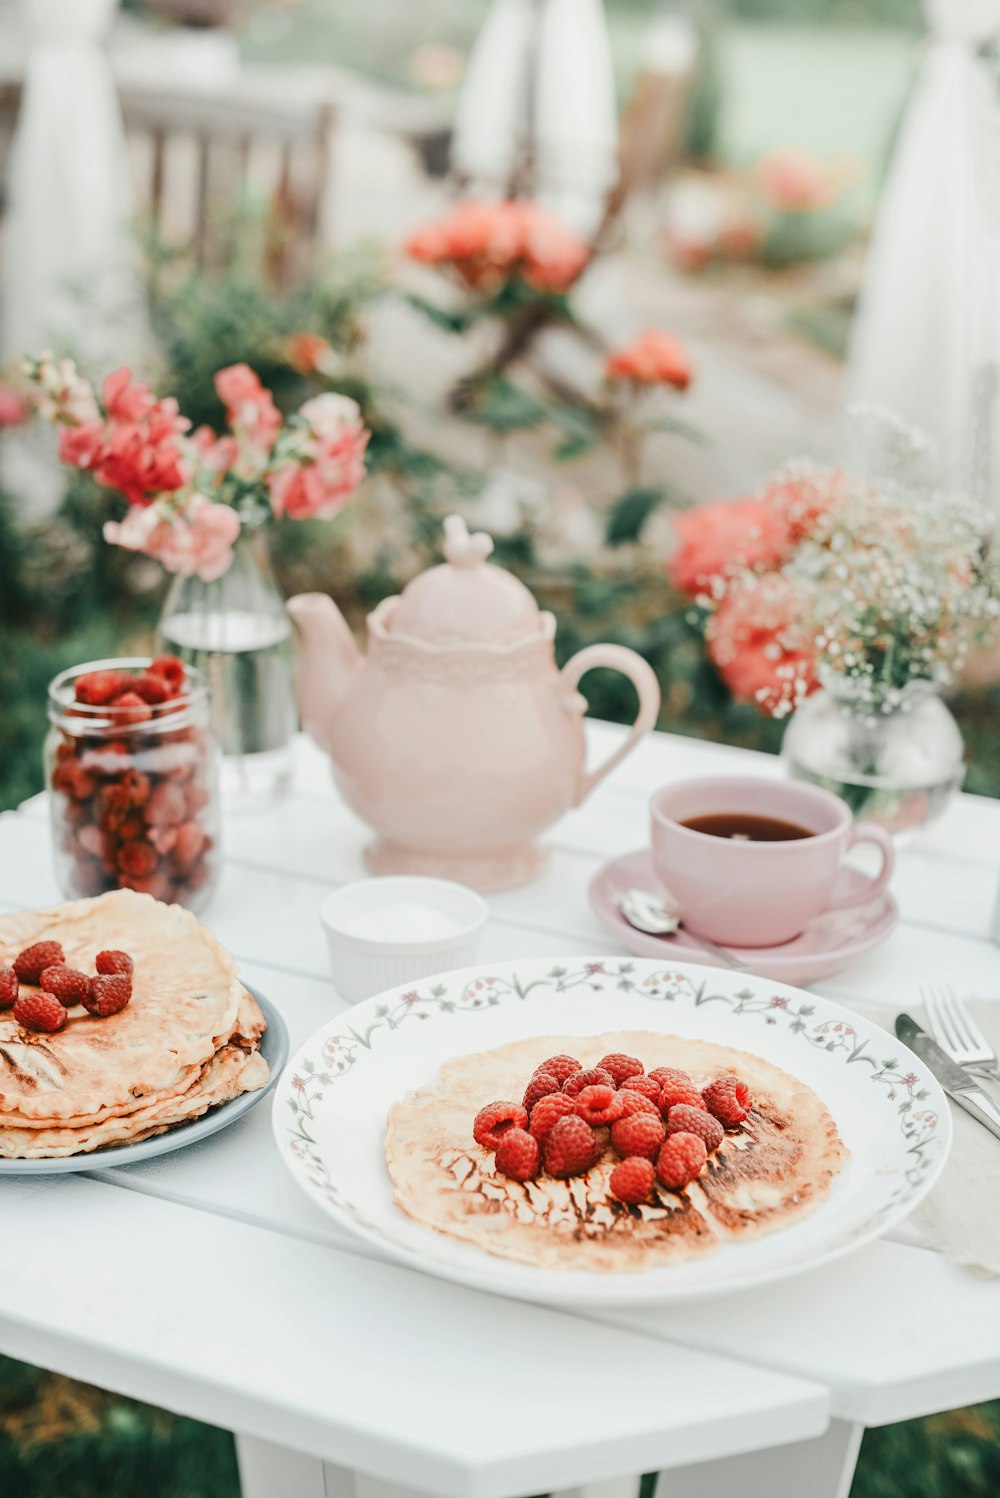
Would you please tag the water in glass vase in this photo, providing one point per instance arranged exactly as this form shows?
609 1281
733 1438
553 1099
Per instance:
236 631
247 662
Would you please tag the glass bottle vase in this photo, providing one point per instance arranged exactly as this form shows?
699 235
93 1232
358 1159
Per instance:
236 631
897 765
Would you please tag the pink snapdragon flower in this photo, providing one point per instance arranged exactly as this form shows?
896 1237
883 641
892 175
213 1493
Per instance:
195 538
250 407
319 479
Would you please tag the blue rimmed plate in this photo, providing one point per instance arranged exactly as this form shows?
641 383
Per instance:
274 1049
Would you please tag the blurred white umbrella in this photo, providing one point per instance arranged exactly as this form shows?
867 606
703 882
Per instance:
70 276
537 107
926 342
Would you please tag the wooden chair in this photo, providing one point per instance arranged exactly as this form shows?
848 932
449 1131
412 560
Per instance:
205 161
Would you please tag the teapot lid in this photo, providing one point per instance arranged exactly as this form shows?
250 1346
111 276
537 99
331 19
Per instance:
466 600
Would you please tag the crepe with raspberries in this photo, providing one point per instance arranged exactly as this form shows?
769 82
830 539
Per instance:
186 1040
771 1170
230 1072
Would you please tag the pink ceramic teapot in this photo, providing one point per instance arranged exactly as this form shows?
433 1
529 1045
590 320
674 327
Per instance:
457 739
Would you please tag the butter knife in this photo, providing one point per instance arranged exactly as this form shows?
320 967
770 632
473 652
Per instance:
959 1084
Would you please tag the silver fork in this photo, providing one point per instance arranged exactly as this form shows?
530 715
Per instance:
954 1029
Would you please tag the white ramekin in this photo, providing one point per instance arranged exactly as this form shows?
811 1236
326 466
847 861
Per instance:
364 965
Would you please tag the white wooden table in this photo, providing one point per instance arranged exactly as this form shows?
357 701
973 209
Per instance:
206 1282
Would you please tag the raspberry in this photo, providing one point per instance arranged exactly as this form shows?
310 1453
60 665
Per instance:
97 688
130 708
560 1067
136 859
108 994
518 1155
136 786
157 885
171 670
642 1134
114 962
541 1084
68 984
683 1119
166 806
665 1074
112 806
548 1111
672 1093
598 1104
493 1121
619 1067
571 1148
682 1157
632 1180
8 987
73 780
163 839
30 964
40 1011
188 845
581 1079
727 1099
645 1086
636 1102
151 689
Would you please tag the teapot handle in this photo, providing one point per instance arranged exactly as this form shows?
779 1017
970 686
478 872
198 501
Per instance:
642 677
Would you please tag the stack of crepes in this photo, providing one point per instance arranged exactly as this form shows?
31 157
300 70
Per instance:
187 1041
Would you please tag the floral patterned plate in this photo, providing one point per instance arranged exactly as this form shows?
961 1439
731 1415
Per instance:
330 1108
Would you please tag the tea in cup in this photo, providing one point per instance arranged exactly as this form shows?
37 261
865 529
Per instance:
750 862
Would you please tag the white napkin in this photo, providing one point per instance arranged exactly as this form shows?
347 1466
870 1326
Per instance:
959 1218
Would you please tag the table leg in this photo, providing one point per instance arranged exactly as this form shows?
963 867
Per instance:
270 1471
820 1468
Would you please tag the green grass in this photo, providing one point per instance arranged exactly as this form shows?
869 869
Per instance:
62 1439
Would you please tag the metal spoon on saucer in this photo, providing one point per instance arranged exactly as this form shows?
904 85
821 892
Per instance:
646 913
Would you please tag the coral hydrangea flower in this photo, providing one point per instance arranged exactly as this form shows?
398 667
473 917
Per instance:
250 407
760 645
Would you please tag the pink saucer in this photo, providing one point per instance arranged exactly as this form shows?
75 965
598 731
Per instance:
827 943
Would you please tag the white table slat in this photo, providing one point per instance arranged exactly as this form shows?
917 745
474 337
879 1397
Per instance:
371 1366
894 1331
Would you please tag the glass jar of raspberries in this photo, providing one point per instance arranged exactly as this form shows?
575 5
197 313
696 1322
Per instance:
132 773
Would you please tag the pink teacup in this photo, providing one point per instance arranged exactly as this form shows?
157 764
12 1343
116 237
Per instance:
757 894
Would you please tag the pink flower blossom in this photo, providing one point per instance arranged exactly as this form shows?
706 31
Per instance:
215 452
81 447
195 540
795 181
14 409
653 358
321 478
125 401
250 407
488 243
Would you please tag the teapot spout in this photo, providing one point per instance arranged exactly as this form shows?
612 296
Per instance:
328 659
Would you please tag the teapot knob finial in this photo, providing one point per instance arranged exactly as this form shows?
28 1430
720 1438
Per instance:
461 549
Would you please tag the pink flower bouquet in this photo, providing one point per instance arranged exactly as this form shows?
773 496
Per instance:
189 494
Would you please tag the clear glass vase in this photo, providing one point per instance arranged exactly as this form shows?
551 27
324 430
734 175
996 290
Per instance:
897 765
236 631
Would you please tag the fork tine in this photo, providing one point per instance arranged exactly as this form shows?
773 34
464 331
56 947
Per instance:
938 1019
968 1031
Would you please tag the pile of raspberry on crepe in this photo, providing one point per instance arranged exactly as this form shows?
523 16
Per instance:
616 1152
119 1017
